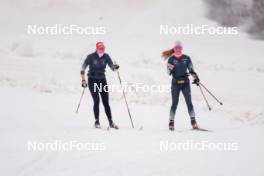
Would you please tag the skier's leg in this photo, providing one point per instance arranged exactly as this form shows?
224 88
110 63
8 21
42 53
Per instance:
175 92
186 90
95 95
105 99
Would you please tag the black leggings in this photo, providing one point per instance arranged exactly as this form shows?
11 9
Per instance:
175 92
94 87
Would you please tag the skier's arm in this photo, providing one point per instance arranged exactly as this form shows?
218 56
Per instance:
113 67
190 68
170 67
193 73
84 66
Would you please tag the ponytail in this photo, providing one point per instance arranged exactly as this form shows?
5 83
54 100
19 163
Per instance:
167 53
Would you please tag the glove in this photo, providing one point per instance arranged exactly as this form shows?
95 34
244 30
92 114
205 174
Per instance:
196 78
84 83
196 81
116 67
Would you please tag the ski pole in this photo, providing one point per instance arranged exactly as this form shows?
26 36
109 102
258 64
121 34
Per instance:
125 100
80 101
211 94
209 107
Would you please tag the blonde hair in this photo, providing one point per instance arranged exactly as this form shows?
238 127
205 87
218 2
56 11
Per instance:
167 53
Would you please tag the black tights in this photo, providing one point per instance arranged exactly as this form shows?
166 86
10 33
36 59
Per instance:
94 87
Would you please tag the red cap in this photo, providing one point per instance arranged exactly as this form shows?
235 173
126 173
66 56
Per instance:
100 45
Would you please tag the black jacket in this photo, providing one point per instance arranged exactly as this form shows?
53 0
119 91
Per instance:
180 66
97 65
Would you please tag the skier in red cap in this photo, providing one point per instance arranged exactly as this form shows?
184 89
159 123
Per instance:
97 62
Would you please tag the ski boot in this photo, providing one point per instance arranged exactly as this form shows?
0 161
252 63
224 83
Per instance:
113 125
194 124
171 125
97 124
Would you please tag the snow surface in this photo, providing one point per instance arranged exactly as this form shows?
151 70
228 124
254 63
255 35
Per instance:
40 89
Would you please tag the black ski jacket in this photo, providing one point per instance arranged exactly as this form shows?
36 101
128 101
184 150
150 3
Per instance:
97 65
177 67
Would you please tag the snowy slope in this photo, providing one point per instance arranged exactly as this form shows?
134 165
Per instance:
39 79
235 60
